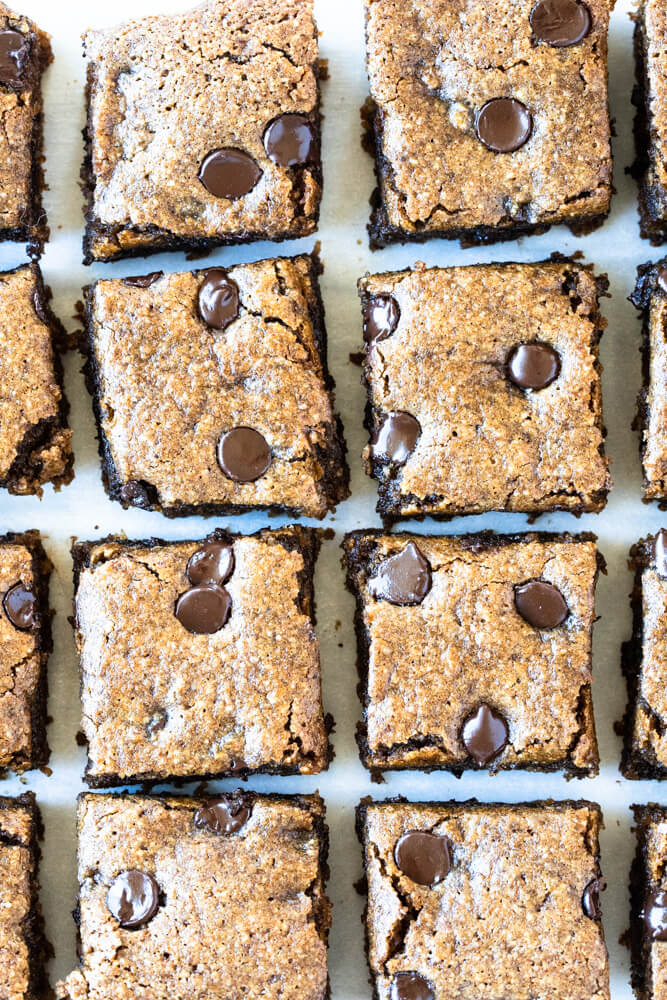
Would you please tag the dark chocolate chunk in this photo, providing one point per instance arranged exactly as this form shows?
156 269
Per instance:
291 140
540 604
212 563
244 454
662 278
14 51
20 606
590 899
402 579
424 857
143 280
381 316
655 916
533 366
133 898
138 493
560 22
396 437
485 734
411 986
218 299
229 173
660 552
204 609
224 815
504 124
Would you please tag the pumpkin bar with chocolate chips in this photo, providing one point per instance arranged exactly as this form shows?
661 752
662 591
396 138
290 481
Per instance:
650 298
475 651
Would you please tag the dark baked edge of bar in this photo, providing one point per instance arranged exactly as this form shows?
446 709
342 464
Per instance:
42 568
39 950
644 290
355 560
640 946
40 433
336 479
392 512
293 537
652 224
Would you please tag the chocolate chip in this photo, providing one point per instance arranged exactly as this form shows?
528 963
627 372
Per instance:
402 579
504 124
290 140
396 437
212 563
424 857
660 552
204 609
590 900
381 316
20 606
485 734
655 916
14 50
411 986
662 278
560 22
540 604
39 306
218 299
533 366
229 173
143 280
244 455
133 898
224 815
137 493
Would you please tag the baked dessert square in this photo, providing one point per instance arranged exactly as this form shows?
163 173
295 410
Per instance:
25 53
648 903
199 659
475 651
25 642
23 948
649 97
478 901
212 392
644 662
487 119
35 441
203 129
195 897
484 389
650 298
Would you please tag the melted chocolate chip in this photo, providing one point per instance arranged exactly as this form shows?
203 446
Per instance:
424 857
411 986
402 579
396 437
533 366
660 552
229 173
560 22
244 454
381 316
504 124
212 563
218 299
224 815
290 140
137 493
143 280
655 916
590 899
20 606
662 278
204 609
540 604
133 898
14 50
485 734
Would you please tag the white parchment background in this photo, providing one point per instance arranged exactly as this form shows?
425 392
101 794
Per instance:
82 509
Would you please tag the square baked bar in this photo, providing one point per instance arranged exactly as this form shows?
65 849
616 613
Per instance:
480 901
484 389
25 644
25 53
650 297
23 948
35 441
475 651
650 98
203 129
212 392
188 897
488 118
199 658
648 903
